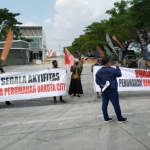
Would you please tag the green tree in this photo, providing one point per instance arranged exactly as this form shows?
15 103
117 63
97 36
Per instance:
119 24
94 34
10 22
126 18
139 13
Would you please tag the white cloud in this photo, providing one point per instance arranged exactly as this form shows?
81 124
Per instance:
29 24
47 21
77 12
74 15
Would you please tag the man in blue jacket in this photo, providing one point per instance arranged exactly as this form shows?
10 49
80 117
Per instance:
108 73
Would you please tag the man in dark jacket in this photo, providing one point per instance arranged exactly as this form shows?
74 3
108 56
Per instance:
55 65
108 73
2 71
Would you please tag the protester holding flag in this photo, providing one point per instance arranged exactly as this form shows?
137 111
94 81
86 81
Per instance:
75 87
69 59
2 71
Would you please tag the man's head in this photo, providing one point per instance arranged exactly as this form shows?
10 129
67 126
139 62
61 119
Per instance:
54 63
76 61
143 57
106 61
1 71
99 60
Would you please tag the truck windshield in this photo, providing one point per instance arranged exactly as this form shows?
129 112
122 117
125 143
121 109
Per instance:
131 57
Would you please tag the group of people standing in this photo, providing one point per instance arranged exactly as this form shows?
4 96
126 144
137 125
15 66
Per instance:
106 73
75 88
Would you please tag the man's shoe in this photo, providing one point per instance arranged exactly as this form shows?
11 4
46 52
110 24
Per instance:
98 96
78 96
63 101
8 103
123 120
108 120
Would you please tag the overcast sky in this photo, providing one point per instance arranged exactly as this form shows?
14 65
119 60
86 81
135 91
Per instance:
62 20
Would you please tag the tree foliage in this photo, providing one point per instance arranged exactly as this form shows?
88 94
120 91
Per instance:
126 18
11 22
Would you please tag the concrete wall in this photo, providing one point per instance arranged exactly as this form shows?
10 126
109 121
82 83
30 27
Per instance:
16 57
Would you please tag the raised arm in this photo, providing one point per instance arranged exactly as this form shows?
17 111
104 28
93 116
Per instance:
72 69
92 68
117 72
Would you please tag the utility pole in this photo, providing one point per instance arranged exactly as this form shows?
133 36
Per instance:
59 47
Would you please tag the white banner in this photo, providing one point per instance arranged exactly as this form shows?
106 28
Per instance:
131 80
32 84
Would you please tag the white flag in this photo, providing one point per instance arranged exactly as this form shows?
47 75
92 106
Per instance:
2 25
110 43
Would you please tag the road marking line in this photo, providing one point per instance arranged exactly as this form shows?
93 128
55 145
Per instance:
63 119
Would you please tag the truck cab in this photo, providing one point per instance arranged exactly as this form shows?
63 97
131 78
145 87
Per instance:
130 61
128 58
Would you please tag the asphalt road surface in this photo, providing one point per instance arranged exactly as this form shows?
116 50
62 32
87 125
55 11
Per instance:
39 124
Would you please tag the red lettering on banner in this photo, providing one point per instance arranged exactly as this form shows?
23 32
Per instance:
61 86
1 92
54 88
146 82
137 73
18 90
5 91
51 87
46 88
12 91
32 89
142 74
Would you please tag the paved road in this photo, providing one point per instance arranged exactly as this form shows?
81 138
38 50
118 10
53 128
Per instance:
77 125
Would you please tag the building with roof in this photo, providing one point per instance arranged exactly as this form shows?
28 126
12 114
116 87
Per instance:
19 53
38 46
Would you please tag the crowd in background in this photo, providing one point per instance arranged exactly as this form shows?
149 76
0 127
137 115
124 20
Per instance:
75 87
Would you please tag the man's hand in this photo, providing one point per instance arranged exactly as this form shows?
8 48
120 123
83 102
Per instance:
103 85
116 63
